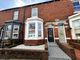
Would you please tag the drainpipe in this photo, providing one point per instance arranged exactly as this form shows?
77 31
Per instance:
23 24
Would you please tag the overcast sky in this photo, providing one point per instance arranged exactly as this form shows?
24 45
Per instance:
5 4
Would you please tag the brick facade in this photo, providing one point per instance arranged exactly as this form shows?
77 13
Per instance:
48 11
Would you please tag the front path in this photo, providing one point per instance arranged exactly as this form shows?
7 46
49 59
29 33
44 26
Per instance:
55 53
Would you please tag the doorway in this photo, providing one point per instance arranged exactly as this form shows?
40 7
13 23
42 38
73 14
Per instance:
50 35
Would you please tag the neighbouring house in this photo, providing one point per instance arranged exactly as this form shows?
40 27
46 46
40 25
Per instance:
74 21
36 23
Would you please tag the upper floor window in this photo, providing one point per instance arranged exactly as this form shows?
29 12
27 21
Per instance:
15 15
34 12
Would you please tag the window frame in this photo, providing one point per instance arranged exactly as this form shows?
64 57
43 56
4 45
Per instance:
36 30
7 32
30 29
16 15
18 26
32 11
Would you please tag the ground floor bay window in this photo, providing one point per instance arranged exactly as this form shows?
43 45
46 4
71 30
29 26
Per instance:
33 31
76 28
11 30
10 33
74 21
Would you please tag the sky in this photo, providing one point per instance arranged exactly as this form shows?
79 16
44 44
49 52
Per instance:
6 4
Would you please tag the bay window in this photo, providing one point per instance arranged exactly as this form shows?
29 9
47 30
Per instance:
76 28
11 30
76 23
34 29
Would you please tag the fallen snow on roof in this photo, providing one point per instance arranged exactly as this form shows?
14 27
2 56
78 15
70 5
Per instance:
22 46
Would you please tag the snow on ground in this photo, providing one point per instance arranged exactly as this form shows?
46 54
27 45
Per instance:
22 46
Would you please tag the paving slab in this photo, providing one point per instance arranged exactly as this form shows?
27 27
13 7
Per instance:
55 53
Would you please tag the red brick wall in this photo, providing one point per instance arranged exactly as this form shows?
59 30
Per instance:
50 11
47 11
55 10
5 16
56 32
77 52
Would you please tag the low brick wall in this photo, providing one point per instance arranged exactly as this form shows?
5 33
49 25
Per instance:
67 49
74 44
23 54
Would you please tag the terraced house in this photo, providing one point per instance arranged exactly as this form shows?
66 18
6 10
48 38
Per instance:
37 23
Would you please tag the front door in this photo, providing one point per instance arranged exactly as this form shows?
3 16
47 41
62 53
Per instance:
50 35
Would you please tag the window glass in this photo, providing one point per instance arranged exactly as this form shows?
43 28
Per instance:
76 26
34 12
8 31
15 16
1 31
15 32
76 23
39 29
77 33
31 30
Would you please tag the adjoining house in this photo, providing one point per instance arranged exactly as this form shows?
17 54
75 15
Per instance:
34 24
74 21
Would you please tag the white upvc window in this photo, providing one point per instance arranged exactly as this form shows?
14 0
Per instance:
76 28
15 34
34 29
39 29
1 33
34 12
15 15
7 31
31 31
76 23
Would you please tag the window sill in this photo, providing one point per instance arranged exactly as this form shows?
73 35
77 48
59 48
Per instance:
34 38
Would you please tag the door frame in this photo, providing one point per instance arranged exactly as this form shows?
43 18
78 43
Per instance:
64 32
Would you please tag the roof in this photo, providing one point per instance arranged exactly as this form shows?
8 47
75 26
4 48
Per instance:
27 5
